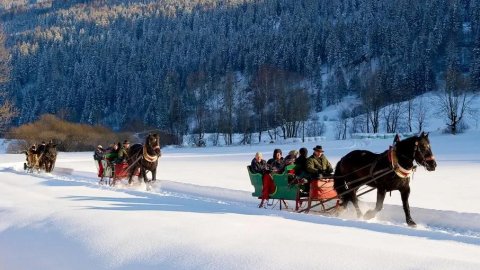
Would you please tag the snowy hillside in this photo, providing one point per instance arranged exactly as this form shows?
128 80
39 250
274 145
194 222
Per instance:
202 216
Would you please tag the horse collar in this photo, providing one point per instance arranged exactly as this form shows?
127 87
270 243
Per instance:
397 168
148 157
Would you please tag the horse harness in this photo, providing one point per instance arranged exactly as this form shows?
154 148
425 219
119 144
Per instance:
396 167
148 157
145 156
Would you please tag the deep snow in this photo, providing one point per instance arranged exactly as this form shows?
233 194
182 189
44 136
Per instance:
201 216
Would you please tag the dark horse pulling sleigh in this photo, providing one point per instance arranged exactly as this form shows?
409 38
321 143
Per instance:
41 158
141 159
144 158
390 170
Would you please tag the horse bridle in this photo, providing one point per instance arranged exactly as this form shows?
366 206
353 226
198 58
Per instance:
424 159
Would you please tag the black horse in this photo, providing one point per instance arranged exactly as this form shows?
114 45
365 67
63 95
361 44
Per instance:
47 157
144 157
389 171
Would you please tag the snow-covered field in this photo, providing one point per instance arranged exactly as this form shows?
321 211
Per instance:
202 216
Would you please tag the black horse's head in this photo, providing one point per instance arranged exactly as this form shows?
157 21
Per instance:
51 151
423 152
153 142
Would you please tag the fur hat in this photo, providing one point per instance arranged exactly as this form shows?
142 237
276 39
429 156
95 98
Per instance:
318 148
126 142
293 153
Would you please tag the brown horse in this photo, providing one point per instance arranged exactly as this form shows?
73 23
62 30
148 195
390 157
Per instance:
389 171
144 157
47 158
32 160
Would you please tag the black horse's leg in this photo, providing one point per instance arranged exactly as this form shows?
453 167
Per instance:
405 193
355 203
144 175
154 175
379 205
130 174
145 179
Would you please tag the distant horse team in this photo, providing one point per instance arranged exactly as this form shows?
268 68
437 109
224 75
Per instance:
41 157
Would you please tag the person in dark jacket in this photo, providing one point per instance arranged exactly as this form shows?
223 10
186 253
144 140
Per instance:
123 152
318 164
277 164
258 164
98 156
291 157
301 162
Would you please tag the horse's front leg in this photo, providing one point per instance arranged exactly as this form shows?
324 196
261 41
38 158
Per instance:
355 203
146 180
379 205
405 193
131 172
154 175
144 175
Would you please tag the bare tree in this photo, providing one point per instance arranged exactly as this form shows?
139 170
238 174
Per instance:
342 125
261 86
199 84
391 115
455 101
421 113
228 108
373 101
410 111
296 111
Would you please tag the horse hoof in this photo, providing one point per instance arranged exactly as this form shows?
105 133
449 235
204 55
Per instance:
411 223
369 214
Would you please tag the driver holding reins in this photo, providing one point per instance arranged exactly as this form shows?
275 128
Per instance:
318 165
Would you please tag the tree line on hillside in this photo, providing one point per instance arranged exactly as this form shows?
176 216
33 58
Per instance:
234 66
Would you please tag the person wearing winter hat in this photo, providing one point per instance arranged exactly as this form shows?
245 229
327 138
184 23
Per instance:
318 164
98 156
123 152
301 162
291 157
